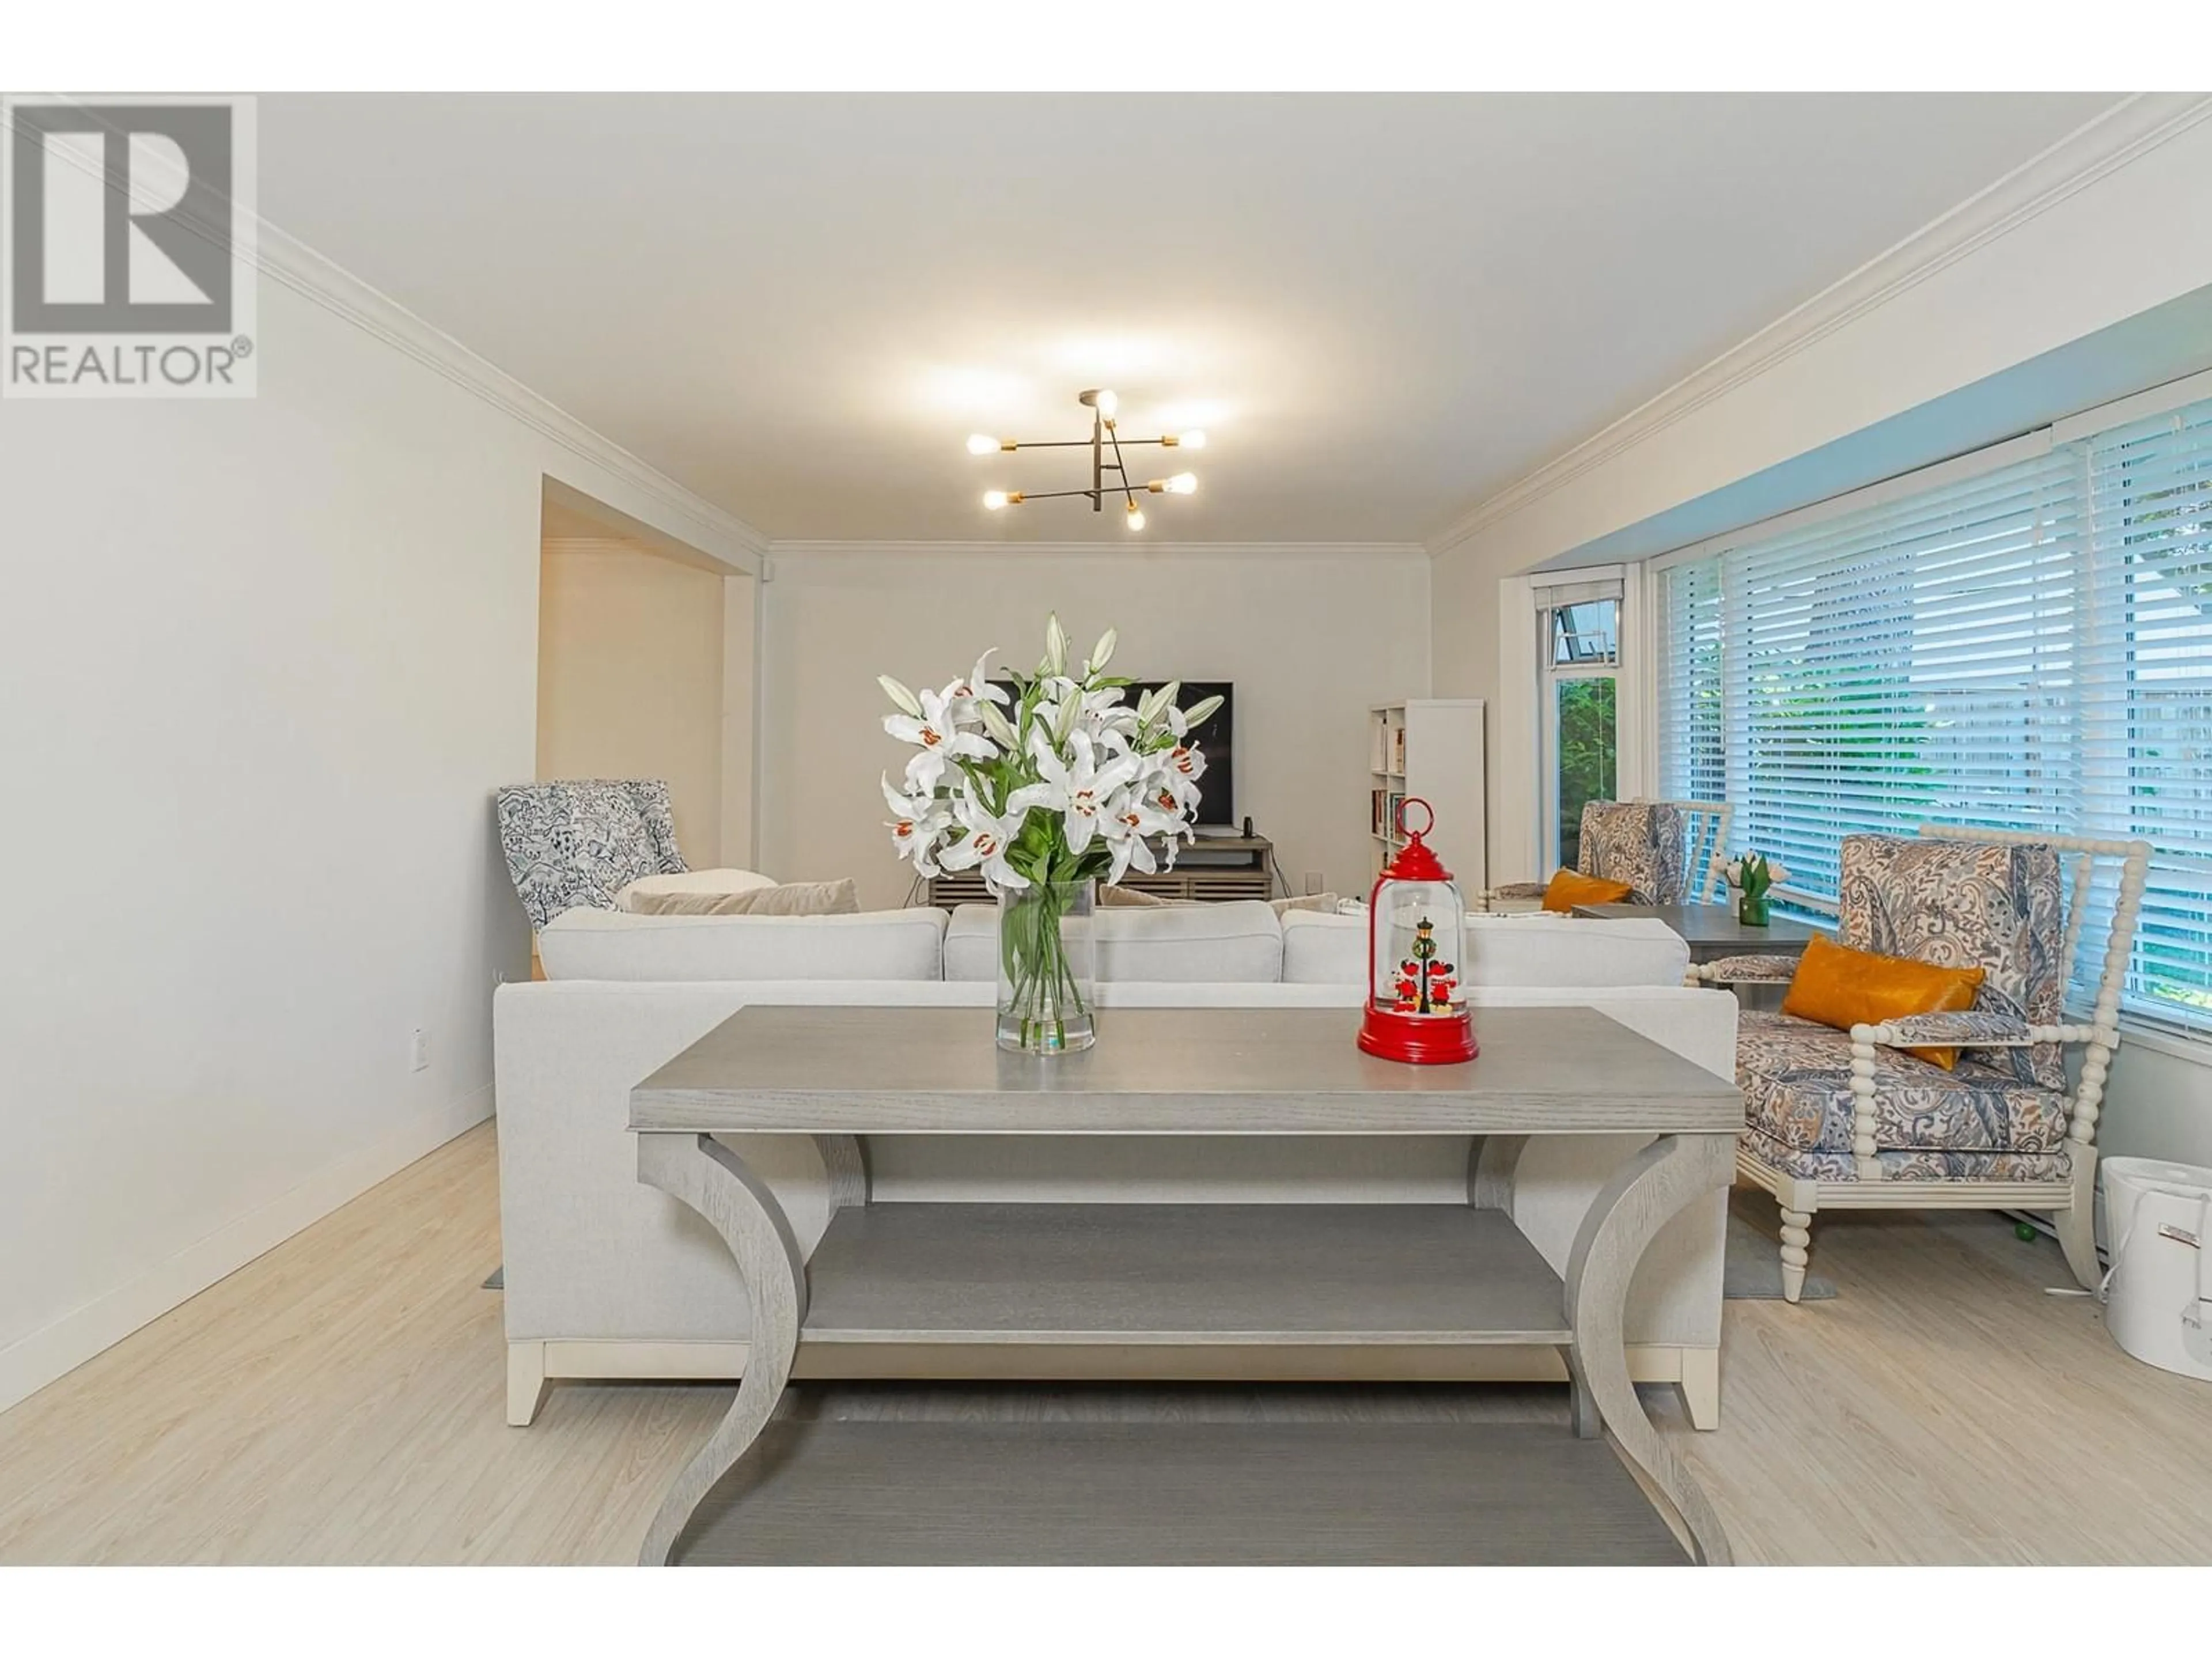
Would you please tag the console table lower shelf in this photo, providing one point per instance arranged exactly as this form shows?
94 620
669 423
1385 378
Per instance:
951 1279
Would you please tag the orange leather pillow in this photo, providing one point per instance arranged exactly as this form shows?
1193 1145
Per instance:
1571 887
1837 986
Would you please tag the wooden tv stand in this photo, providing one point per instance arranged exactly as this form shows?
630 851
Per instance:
1212 868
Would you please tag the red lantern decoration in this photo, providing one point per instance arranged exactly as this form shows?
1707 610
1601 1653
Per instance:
1416 932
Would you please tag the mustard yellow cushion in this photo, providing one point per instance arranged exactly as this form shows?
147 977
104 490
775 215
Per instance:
1837 986
1571 887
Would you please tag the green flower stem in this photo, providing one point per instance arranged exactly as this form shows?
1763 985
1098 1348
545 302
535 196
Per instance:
1043 990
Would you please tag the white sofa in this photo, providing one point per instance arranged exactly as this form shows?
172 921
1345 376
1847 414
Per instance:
1513 950
606 1278
616 945
1236 944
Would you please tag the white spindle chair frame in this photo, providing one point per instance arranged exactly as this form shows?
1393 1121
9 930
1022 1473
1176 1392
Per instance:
1705 823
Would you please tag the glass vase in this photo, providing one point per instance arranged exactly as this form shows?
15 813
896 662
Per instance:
1751 910
1045 968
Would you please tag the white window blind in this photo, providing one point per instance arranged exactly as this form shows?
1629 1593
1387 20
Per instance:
2029 647
2146 696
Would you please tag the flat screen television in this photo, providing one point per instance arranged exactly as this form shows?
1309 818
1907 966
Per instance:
1215 736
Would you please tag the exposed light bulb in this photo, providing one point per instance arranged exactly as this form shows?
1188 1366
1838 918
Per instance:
1136 518
1192 440
1183 483
1108 403
980 445
994 499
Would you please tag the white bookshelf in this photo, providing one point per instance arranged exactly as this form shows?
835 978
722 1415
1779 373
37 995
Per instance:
1431 747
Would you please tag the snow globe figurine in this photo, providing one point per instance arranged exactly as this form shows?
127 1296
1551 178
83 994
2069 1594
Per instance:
1416 930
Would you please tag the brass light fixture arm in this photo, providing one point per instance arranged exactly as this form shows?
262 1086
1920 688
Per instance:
1104 437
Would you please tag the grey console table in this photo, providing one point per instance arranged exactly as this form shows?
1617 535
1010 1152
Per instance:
1712 932
957 1278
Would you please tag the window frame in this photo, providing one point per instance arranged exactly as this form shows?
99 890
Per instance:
1551 675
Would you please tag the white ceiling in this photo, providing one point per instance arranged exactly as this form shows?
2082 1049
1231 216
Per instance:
1381 308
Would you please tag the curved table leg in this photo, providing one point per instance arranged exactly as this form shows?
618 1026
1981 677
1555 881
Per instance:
845 1161
714 1181
1642 1196
1491 1162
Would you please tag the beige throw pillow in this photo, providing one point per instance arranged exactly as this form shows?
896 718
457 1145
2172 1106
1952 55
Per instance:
791 898
1326 902
693 881
1119 898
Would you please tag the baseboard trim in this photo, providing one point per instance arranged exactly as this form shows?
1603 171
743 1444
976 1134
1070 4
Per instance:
54 1350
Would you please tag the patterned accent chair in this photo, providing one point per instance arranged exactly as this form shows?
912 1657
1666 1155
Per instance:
1837 1120
581 843
1641 843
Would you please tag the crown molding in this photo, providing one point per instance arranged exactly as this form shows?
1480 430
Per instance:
779 551
2131 129
276 253
286 259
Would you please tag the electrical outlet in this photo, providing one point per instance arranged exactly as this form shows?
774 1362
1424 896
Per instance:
418 1050
1314 882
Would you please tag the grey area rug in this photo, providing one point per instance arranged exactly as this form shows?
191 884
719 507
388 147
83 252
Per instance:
1752 1271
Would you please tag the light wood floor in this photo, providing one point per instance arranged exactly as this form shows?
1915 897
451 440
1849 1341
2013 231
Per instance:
341 1399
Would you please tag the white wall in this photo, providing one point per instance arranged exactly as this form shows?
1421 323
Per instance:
629 677
1311 637
2057 254
740 703
262 663
2157 1100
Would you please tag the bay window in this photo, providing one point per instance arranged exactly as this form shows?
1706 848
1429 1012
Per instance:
2020 638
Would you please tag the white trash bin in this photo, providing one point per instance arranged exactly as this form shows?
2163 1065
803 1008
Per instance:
2158 1302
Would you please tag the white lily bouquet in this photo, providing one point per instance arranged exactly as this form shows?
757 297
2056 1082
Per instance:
1044 784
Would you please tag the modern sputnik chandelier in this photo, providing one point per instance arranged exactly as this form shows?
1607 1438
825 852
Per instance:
1104 444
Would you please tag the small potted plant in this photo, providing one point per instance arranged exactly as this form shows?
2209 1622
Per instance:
1751 876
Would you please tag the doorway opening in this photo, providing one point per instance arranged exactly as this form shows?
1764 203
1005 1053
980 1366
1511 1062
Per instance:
645 670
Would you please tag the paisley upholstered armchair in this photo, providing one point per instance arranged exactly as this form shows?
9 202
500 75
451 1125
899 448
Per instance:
1837 1120
581 843
1641 843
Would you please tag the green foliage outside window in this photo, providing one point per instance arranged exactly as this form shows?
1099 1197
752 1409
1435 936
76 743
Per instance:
1588 754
